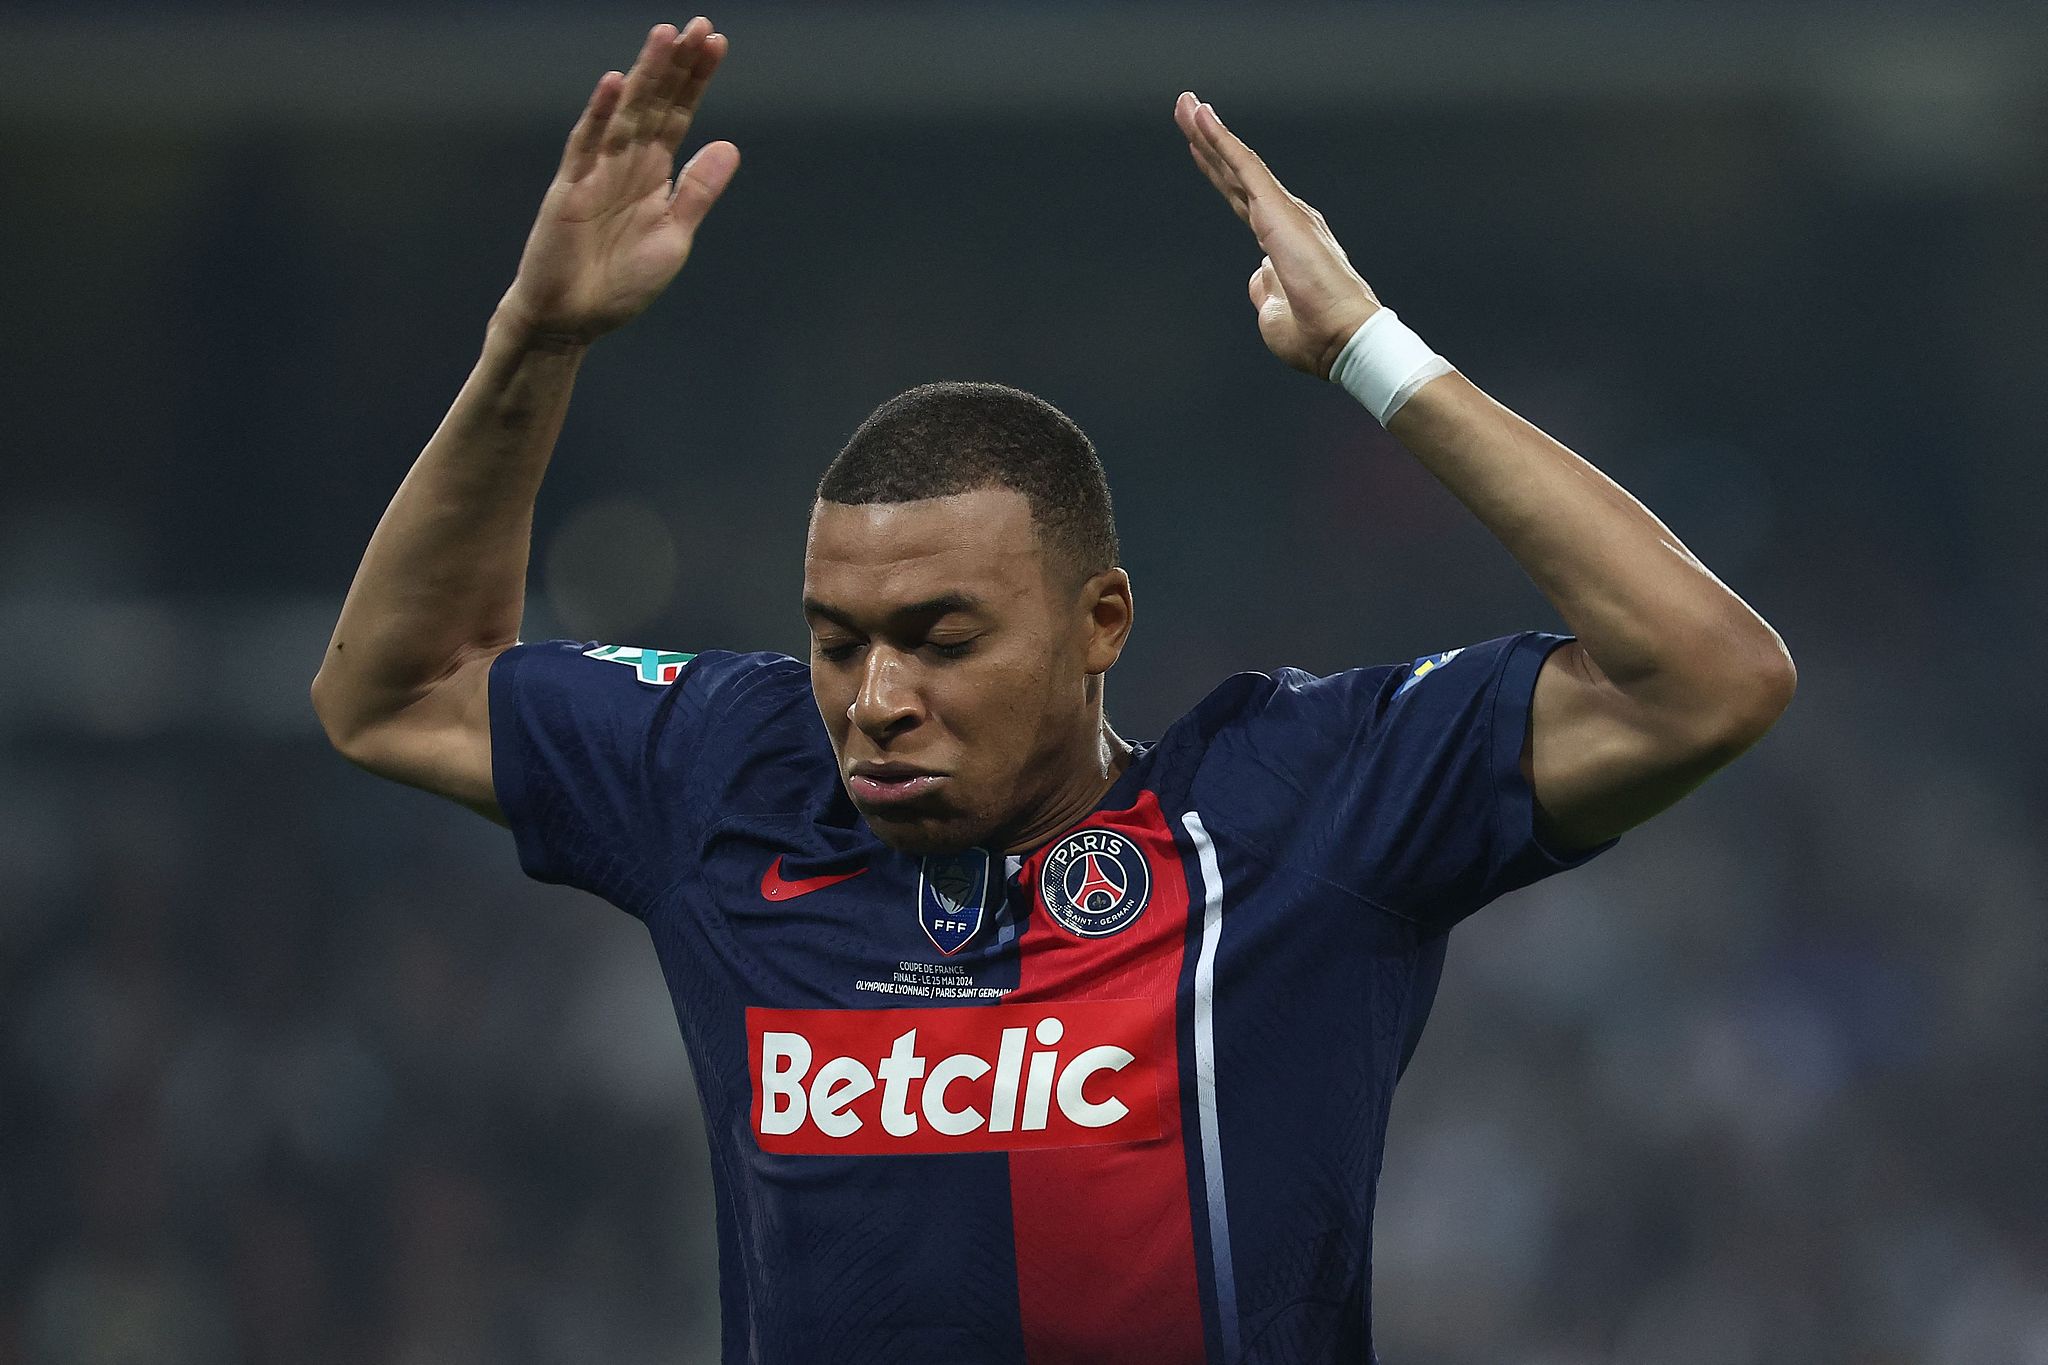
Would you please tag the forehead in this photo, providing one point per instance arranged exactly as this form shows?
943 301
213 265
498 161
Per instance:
871 556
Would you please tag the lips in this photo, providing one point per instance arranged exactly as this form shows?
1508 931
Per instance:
891 784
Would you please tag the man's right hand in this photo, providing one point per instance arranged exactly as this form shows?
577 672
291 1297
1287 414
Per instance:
614 229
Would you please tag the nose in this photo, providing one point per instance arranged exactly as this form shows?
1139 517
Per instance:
887 702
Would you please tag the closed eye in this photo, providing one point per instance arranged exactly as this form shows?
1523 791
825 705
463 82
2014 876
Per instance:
840 653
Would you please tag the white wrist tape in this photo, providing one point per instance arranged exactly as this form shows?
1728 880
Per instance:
1384 363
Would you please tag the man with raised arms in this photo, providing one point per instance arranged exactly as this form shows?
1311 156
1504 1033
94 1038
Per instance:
1018 1040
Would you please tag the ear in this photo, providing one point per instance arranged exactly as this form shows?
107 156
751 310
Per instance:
1106 598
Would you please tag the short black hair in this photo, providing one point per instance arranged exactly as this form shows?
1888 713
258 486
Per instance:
954 436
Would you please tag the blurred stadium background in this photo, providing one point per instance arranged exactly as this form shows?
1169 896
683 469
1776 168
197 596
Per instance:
295 1066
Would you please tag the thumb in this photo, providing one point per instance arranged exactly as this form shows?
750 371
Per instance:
1264 283
702 179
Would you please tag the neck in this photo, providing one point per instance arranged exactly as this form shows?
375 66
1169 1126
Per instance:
1107 757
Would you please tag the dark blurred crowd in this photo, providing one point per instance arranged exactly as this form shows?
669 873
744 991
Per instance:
293 1075
296 1067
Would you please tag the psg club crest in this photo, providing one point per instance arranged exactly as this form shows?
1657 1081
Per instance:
1095 883
952 895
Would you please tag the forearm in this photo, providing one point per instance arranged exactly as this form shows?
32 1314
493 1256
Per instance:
444 576
1671 676
1653 619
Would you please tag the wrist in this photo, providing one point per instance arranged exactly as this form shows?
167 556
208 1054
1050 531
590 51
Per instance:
1383 363
512 324
1326 365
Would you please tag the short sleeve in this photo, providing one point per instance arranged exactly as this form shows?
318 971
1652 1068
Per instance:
596 751
1404 784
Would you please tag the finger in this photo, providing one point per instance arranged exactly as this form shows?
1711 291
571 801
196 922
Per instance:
1231 194
1233 187
1291 228
1185 114
1243 163
702 179
675 76
643 83
579 154
674 71
688 90
649 65
716 45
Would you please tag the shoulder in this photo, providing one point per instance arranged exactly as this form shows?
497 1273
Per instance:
1354 702
649 678
761 682
1254 738
652 667
1270 745
759 743
1288 701
718 716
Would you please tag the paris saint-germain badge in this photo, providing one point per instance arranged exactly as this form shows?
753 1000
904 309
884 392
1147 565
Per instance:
952 896
1095 883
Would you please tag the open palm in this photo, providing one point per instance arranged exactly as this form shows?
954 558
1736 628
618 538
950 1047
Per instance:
614 228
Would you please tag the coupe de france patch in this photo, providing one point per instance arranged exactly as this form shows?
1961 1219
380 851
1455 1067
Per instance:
1095 883
656 666
952 895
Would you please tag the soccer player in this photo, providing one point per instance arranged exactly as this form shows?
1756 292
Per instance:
1018 1040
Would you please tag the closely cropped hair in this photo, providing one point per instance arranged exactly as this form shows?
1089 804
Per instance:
955 437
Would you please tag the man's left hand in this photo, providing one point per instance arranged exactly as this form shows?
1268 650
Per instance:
1309 298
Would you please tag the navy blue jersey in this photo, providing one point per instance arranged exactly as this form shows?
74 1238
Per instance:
1121 1098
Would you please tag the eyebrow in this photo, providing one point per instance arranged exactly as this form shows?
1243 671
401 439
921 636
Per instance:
942 605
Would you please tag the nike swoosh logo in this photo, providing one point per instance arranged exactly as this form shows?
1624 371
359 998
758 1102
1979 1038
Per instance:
777 887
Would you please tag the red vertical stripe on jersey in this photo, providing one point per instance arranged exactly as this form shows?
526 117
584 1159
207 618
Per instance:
1105 1240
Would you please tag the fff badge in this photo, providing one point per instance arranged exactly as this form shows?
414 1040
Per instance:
952 896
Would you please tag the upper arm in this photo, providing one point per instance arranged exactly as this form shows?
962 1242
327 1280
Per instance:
1600 760
595 756
441 743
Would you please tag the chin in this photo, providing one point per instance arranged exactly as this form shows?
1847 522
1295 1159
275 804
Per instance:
926 834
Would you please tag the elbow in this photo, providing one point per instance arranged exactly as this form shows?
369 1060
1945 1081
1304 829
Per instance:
1774 681
324 709
1755 694
343 730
